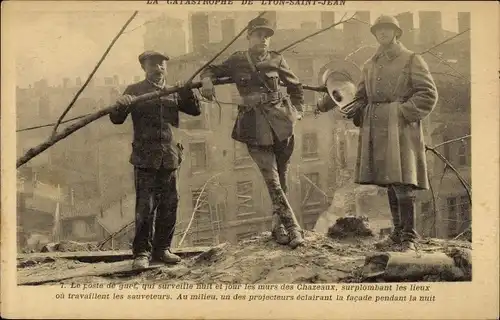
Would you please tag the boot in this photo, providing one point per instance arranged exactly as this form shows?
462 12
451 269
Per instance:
167 257
279 233
409 234
395 237
296 238
140 262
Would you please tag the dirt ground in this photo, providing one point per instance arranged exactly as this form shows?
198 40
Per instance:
257 260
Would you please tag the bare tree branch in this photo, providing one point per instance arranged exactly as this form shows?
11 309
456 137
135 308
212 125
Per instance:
459 176
54 132
444 41
453 140
220 52
196 207
316 33
52 124
33 152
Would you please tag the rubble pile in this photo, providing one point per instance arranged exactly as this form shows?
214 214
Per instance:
260 260
350 227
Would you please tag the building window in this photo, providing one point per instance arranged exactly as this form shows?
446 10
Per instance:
311 196
244 198
427 219
446 148
310 145
452 216
462 155
198 156
241 156
308 188
306 68
202 216
465 214
342 153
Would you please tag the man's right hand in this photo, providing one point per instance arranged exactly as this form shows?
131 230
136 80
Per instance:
207 88
125 100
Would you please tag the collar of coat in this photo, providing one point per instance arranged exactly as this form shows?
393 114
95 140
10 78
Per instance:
391 52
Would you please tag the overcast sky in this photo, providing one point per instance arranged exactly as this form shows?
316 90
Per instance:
56 45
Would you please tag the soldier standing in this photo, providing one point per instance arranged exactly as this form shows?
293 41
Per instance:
156 156
266 118
396 93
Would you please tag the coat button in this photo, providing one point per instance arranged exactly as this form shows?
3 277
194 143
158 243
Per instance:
378 79
380 66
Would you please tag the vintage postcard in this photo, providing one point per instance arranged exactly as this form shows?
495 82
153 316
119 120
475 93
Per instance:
250 159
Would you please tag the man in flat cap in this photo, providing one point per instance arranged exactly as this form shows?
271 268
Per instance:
266 118
395 94
156 156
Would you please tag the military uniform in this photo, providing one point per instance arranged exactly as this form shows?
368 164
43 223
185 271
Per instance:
266 119
396 93
156 155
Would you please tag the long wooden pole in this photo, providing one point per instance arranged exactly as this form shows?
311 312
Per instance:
33 152
89 78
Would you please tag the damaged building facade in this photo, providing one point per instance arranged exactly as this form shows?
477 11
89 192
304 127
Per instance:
82 188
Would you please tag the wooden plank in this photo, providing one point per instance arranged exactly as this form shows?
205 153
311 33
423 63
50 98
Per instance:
103 256
122 268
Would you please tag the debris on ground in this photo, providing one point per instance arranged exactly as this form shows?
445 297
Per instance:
350 227
70 246
258 260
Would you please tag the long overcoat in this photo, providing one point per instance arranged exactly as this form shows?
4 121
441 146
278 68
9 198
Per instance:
397 92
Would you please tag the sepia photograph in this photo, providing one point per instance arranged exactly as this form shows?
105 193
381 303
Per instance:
352 140
325 150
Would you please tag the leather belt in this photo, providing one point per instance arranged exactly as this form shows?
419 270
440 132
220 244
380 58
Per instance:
380 102
263 97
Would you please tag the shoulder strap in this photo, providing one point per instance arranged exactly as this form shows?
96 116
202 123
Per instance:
255 71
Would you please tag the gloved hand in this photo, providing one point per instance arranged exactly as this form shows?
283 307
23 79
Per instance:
350 111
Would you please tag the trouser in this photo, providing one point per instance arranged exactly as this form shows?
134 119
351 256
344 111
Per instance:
155 210
274 162
402 205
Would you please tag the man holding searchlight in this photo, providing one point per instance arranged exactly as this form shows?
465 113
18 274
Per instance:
156 156
266 118
396 93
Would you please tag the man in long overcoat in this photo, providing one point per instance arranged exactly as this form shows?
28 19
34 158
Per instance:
266 118
396 93
156 156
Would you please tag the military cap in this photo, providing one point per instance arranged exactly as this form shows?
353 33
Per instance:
389 21
260 23
150 54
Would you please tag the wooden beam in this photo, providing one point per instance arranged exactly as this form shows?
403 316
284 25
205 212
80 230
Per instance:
122 268
104 256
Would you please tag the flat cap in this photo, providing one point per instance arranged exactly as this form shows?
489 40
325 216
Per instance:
260 23
150 54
